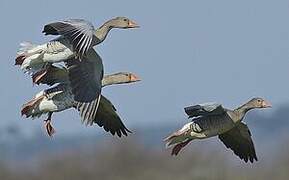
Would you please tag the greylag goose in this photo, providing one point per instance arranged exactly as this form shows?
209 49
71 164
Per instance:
77 37
60 98
212 119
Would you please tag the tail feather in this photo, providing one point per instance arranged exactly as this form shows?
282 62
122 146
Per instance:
178 136
26 109
28 57
179 139
25 46
21 54
29 107
173 138
20 59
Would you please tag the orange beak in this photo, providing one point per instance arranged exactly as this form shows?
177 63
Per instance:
132 24
134 78
266 104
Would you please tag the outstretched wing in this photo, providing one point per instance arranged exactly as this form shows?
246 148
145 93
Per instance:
85 80
107 118
85 76
239 140
204 109
78 31
88 110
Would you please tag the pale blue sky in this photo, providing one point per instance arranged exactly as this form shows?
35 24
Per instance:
186 52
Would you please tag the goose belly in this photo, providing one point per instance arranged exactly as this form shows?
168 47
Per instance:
50 105
210 126
41 108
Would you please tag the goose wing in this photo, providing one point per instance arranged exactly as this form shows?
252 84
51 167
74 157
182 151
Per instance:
204 109
108 118
80 33
85 76
239 140
53 75
85 80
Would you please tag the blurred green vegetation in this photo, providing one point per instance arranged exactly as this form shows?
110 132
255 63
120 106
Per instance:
142 155
127 159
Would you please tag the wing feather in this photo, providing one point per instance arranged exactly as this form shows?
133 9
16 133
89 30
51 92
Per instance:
85 77
107 118
204 109
78 31
239 140
88 111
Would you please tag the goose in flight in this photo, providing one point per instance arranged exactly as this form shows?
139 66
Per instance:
211 119
77 36
60 98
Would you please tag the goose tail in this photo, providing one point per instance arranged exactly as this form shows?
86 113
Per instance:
31 108
179 139
30 57
23 51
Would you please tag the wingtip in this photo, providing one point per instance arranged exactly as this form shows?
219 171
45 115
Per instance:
121 133
129 131
118 133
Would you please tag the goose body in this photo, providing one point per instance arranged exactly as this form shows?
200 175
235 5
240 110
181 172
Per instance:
205 127
209 120
60 98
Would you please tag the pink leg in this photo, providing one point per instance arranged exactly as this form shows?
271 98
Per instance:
49 129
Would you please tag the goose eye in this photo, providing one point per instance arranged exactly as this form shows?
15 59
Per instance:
125 19
259 100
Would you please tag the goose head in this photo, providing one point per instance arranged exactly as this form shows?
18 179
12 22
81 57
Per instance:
124 77
122 22
258 103
120 78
